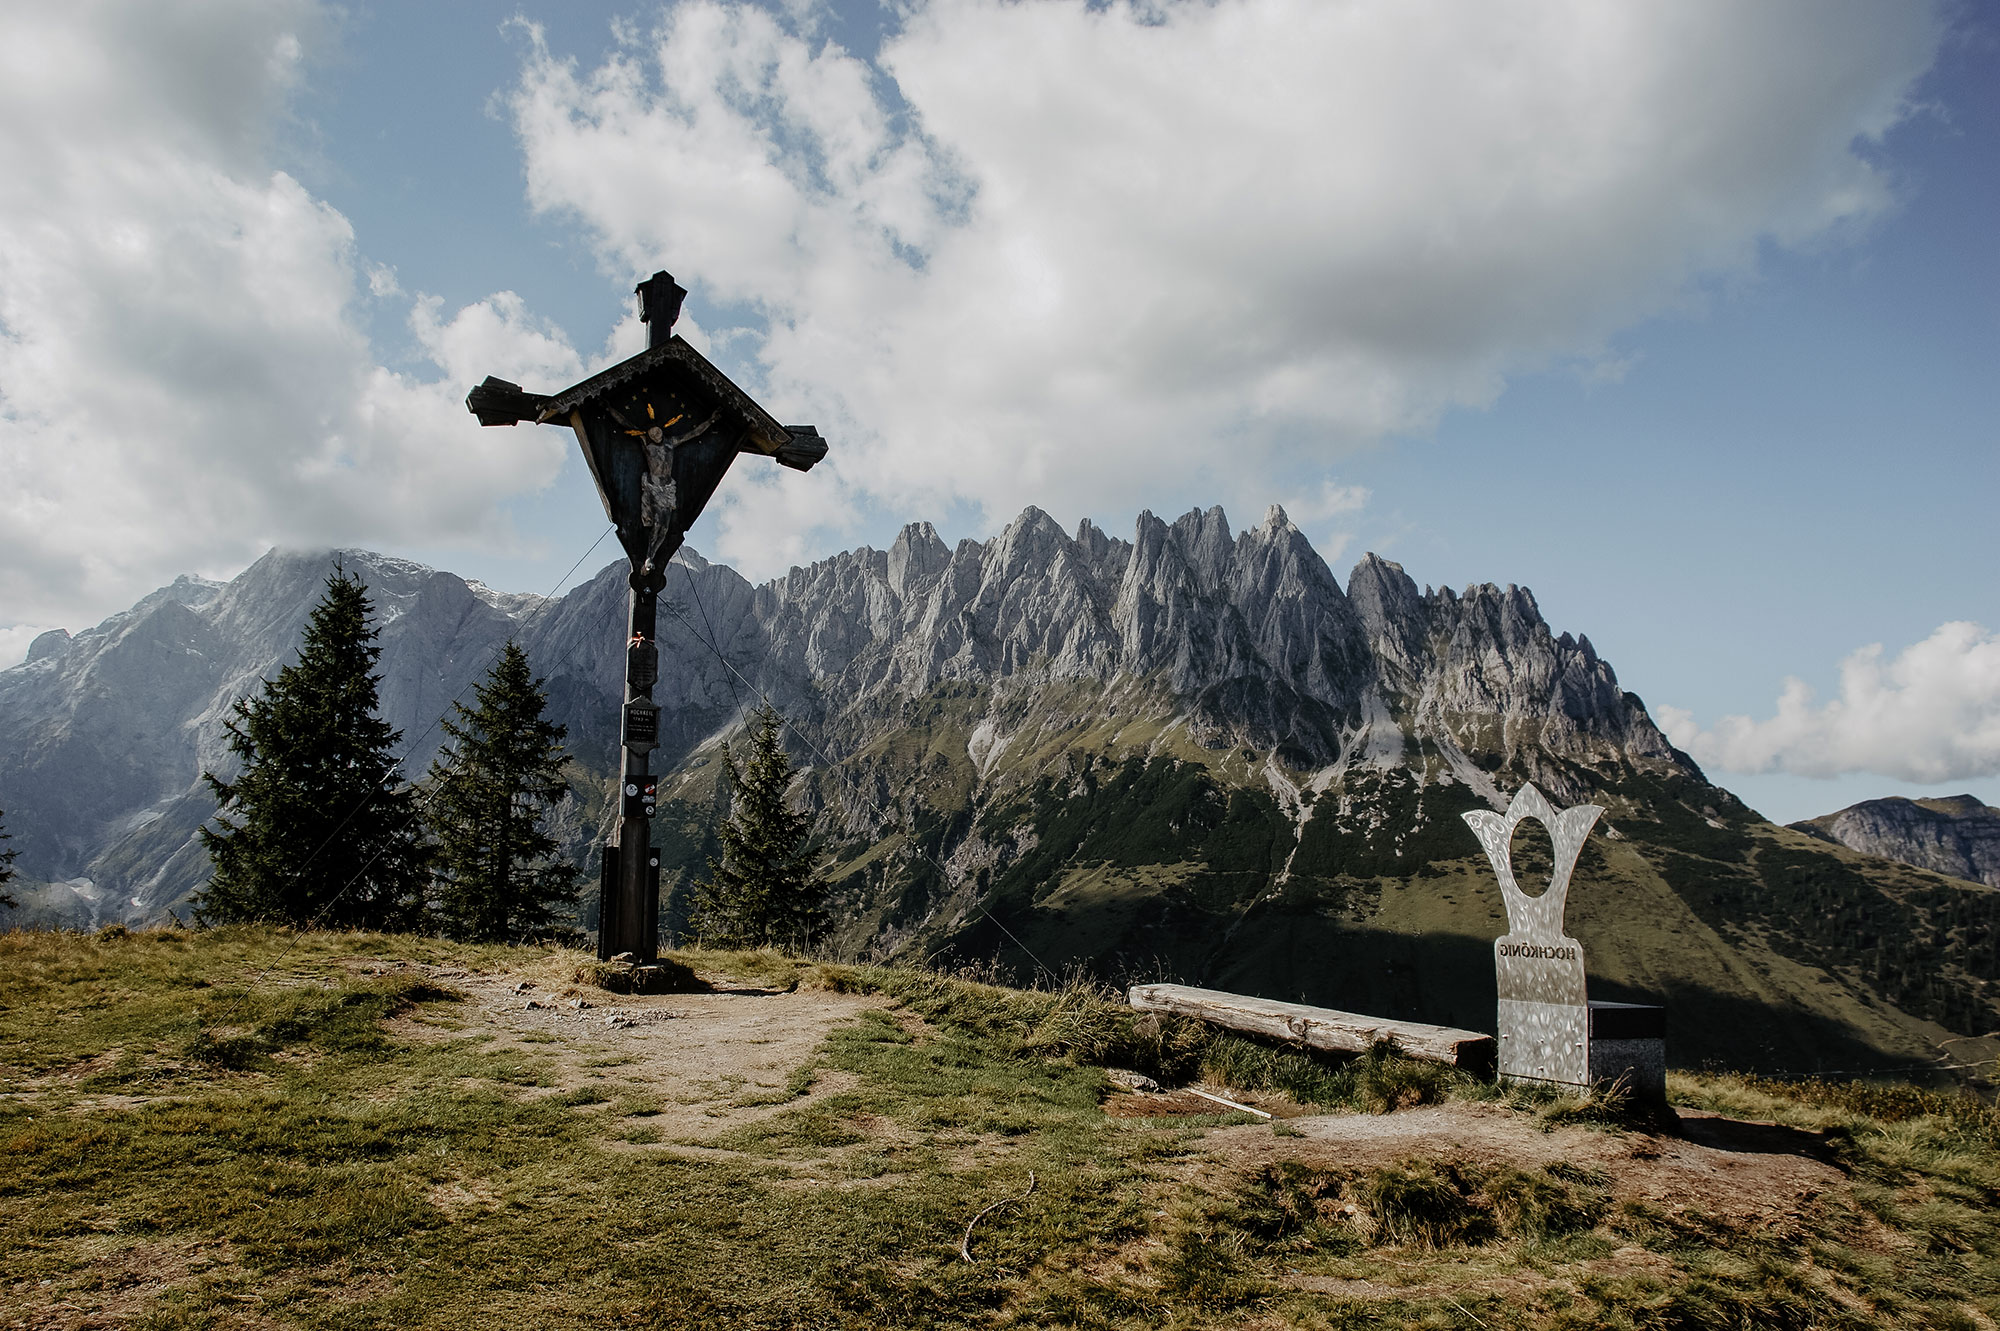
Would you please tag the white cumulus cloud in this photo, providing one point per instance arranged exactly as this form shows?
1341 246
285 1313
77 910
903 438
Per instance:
1081 255
1075 253
1930 714
183 376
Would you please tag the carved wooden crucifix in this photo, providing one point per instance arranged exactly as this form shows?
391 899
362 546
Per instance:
658 431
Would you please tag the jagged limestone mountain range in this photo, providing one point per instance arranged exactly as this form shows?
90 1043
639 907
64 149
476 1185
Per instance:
1194 753
1252 635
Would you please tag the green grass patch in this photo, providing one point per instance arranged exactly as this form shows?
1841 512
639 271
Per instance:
225 1128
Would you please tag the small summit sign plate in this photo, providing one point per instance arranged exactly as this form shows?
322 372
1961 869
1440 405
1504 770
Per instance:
642 726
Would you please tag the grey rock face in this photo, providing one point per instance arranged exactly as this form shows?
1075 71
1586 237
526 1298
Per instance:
46 645
1958 835
1248 637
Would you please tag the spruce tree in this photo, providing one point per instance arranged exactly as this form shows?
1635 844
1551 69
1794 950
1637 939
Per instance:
763 890
6 865
498 874
318 826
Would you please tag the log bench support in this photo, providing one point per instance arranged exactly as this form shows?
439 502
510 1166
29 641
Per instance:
1318 1027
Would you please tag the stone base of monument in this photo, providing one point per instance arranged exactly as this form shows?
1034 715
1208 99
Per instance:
1580 1046
1550 1030
1628 1043
623 975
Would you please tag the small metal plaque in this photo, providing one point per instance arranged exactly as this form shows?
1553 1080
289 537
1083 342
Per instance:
642 726
1544 1013
642 664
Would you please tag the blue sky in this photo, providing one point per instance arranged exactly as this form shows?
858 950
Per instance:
1684 315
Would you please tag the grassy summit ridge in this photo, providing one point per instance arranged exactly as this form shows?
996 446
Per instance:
250 1128
1190 755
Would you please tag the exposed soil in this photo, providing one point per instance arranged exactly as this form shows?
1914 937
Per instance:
700 1064
124 1281
1724 1167
680 1068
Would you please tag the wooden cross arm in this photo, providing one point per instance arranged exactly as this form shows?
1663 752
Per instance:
497 402
804 448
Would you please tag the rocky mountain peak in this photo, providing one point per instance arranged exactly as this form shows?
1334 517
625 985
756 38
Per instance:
1957 835
47 646
1205 543
1958 806
1394 614
916 558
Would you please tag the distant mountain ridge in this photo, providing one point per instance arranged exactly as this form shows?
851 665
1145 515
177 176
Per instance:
1192 752
1957 835
103 734
1242 638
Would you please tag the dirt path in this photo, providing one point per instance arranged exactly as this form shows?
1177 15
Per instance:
707 1063
698 1064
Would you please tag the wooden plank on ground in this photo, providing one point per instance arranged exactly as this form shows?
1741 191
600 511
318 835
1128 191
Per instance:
1318 1027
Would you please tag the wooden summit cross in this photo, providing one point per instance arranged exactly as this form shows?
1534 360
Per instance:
658 430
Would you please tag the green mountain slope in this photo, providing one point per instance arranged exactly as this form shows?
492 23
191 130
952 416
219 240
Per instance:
1101 836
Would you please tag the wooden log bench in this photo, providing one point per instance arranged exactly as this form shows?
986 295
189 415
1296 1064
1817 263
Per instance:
1317 1027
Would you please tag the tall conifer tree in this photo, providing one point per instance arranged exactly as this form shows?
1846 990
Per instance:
318 826
763 890
6 865
498 874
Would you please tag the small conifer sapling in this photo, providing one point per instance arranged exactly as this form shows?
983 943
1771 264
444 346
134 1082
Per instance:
492 791
763 890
